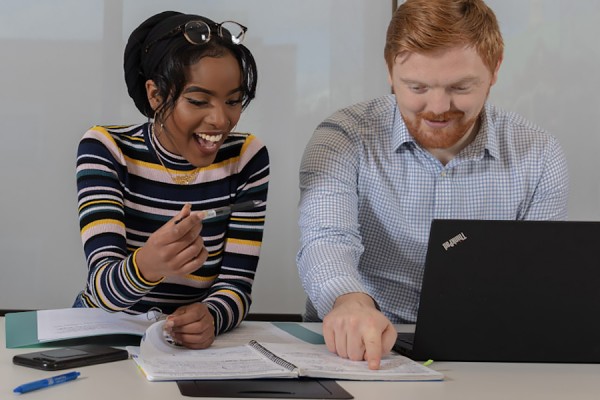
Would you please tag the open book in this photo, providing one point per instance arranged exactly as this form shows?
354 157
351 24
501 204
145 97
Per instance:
160 361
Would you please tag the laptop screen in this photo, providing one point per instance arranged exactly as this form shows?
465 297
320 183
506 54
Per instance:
510 291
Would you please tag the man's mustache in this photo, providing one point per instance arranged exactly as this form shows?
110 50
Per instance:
446 116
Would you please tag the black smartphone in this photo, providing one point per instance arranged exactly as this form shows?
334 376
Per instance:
70 357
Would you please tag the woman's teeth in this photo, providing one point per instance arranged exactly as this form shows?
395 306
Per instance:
210 138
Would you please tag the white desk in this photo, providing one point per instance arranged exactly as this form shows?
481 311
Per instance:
489 381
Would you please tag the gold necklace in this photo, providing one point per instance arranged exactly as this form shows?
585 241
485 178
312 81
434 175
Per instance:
181 178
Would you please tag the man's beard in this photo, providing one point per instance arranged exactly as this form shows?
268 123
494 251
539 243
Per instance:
439 138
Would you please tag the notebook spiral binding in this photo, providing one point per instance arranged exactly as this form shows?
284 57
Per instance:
279 361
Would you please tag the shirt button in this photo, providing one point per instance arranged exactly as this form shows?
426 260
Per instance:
443 174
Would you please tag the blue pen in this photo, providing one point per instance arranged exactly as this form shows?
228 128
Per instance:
55 380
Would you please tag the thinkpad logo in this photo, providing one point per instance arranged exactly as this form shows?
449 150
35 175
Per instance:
454 241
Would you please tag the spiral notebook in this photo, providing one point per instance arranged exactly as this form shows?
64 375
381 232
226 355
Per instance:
161 361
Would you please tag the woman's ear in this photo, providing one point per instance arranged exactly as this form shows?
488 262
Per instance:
153 96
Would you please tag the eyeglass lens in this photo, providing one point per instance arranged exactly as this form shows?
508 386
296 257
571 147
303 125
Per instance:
198 32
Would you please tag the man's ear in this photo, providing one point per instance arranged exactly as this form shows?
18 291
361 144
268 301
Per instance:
153 96
495 74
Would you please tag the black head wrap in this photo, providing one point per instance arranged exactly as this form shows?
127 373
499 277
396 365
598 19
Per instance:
140 65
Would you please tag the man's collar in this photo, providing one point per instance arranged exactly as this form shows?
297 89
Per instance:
401 134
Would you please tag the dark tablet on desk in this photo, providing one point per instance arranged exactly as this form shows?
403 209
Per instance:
303 388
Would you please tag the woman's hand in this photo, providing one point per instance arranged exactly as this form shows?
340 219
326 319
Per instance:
175 249
191 326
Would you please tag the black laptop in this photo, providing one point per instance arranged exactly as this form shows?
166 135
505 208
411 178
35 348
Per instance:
509 291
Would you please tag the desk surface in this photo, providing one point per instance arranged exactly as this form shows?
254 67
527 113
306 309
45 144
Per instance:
490 381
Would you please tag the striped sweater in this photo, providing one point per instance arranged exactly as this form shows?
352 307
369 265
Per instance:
125 194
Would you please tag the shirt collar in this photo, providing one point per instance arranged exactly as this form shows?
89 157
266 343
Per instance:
401 135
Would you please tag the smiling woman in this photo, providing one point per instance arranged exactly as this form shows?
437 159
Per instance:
307 69
200 120
143 190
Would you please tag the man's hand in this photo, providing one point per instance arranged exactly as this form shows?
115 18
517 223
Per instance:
355 329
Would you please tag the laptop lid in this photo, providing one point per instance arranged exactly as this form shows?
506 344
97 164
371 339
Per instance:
513 291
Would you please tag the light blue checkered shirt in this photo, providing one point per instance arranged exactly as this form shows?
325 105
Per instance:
369 194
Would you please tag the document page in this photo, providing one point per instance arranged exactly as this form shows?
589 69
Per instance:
255 330
71 323
317 361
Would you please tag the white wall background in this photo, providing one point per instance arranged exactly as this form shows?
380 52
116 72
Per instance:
550 75
61 72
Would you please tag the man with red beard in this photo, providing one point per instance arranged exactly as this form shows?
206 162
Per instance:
375 174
